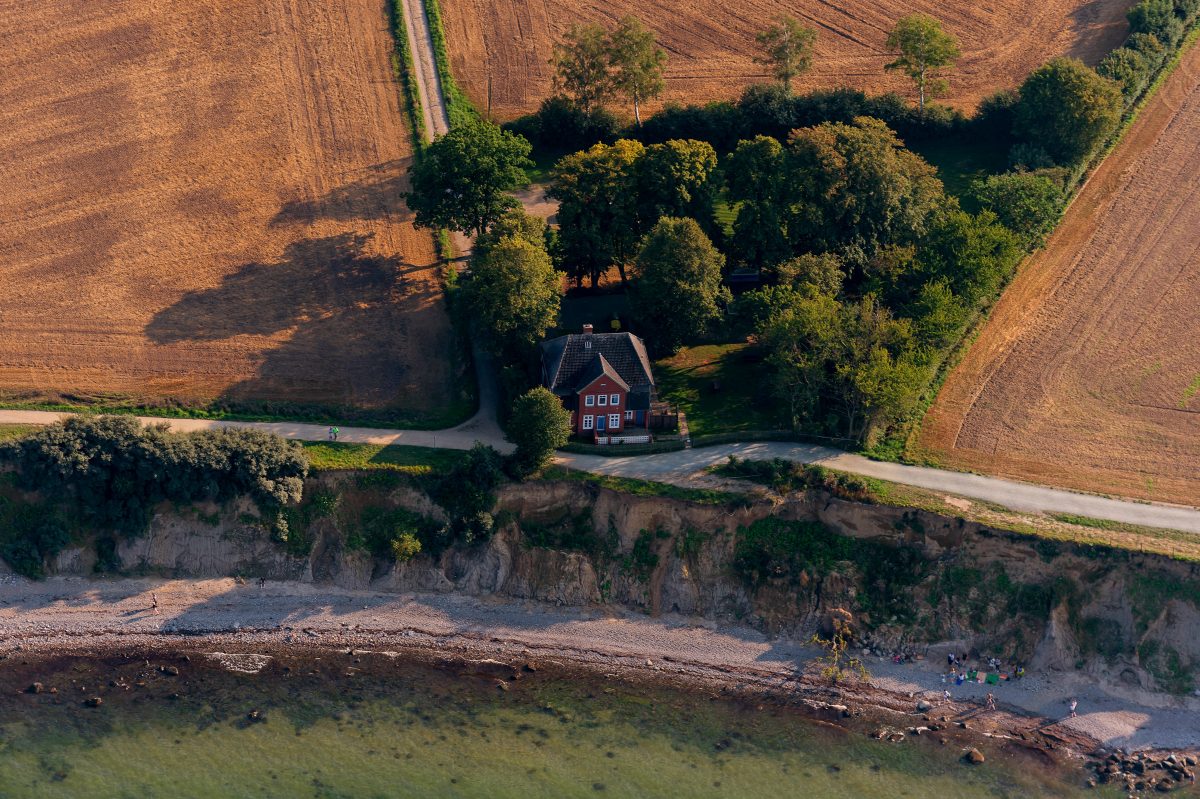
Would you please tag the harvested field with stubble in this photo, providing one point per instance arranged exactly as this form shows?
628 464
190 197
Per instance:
201 201
712 49
1087 375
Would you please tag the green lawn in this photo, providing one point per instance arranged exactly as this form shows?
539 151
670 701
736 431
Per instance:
11 431
326 456
737 402
959 163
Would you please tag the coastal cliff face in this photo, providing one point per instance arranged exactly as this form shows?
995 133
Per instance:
908 577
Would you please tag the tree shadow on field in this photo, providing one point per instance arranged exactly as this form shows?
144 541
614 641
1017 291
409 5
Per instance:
376 195
348 312
1099 30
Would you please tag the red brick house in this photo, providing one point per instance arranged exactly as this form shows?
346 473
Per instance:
603 379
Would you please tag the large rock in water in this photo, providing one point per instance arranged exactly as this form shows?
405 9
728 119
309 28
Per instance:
973 756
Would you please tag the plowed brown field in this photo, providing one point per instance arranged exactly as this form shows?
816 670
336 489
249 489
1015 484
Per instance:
712 49
200 200
1087 375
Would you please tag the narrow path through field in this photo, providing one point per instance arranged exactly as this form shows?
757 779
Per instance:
684 468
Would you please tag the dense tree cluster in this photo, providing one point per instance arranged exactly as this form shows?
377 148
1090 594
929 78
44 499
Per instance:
612 195
108 473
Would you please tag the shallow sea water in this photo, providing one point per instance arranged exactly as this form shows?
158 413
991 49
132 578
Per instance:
383 728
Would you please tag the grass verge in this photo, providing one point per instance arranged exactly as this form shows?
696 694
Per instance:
395 418
339 456
647 488
405 70
458 106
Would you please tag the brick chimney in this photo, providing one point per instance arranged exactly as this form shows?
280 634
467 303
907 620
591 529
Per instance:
587 330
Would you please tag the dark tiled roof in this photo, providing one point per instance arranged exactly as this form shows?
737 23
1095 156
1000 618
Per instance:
567 360
596 367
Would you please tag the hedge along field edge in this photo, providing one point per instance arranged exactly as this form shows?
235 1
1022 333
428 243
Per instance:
404 69
458 106
910 432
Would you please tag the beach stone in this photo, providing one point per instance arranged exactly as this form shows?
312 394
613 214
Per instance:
923 706
36 688
973 756
93 701
170 671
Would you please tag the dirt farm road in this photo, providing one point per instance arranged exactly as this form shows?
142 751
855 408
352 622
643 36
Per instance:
684 468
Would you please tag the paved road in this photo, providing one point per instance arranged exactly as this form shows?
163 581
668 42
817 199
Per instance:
481 427
675 467
682 468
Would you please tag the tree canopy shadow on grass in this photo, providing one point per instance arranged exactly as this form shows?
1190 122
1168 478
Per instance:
349 312
376 195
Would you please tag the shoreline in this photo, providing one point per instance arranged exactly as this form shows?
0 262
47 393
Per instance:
104 617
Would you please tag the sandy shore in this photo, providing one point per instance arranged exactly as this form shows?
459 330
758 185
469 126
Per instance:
63 615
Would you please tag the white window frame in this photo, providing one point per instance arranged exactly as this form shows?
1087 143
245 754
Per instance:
614 421
589 422
614 399
629 416
602 401
589 400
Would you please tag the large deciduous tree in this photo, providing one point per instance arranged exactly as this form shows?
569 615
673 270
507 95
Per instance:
582 66
677 294
923 49
597 192
787 49
513 295
636 63
463 179
1067 110
755 178
855 188
674 179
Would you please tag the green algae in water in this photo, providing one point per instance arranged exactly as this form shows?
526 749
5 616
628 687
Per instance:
338 727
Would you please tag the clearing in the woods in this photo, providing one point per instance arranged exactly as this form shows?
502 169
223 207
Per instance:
1087 374
201 203
508 43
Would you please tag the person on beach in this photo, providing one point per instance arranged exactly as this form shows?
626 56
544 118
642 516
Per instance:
991 701
154 603
950 659
1074 704
945 696
1020 672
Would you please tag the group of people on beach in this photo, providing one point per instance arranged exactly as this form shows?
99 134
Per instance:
961 671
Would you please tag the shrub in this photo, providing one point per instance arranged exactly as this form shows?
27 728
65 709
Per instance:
30 534
405 547
1026 203
561 126
539 425
1127 67
468 493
